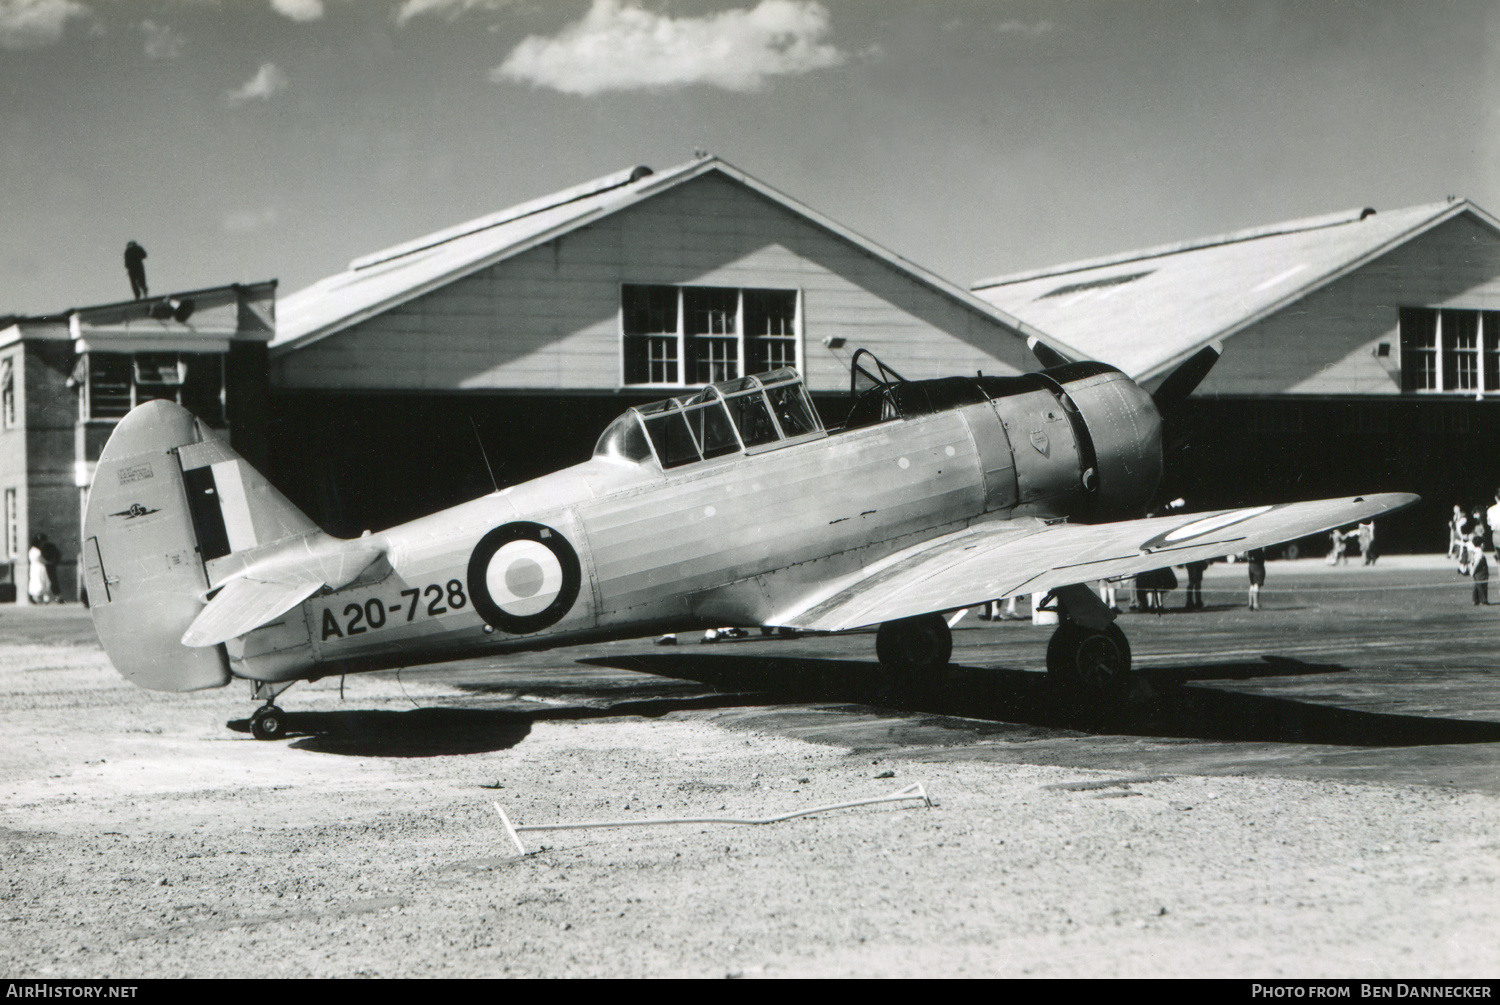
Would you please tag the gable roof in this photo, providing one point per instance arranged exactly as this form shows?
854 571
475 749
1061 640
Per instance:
378 282
1145 311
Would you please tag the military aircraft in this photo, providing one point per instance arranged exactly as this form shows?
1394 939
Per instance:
729 505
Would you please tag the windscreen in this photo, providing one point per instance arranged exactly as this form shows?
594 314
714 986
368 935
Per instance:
623 440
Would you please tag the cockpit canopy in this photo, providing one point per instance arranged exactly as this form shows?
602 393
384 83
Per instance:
747 415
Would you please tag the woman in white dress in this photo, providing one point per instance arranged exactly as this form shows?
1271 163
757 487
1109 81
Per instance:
38 585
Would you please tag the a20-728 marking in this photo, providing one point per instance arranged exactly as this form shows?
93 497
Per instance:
375 613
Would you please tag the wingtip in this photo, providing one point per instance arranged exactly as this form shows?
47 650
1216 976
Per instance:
1387 502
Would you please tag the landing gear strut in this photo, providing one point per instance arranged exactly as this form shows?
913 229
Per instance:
1088 662
917 648
1088 659
268 722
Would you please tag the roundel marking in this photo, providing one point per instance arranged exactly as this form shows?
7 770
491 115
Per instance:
523 577
1204 526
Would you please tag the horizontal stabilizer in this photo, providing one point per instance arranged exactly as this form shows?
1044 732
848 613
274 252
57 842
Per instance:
274 585
242 606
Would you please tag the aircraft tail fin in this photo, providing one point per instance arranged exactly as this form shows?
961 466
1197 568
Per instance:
170 508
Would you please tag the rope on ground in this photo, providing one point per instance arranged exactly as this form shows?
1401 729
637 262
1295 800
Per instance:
916 791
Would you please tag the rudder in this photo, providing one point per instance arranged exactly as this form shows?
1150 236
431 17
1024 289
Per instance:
167 499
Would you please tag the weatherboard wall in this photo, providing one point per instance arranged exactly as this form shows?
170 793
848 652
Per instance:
548 318
1328 341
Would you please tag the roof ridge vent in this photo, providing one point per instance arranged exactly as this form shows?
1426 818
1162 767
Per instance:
440 237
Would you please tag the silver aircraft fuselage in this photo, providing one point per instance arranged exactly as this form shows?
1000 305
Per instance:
619 547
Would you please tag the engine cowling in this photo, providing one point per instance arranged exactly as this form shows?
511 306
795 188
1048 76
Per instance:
1119 433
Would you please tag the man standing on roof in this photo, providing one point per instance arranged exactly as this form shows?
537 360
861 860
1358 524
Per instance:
135 266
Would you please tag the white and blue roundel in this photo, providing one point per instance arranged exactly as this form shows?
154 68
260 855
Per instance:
523 577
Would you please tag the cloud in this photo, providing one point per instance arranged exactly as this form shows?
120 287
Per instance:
267 81
31 24
249 221
299 10
161 41
620 48
1036 30
449 9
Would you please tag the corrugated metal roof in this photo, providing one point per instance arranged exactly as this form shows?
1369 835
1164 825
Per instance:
378 282
1145 311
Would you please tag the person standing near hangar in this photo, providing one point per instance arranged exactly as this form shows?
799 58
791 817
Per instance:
135 267
1255 561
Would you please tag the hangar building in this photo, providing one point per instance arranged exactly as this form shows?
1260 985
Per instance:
66 379
1361 354
506 344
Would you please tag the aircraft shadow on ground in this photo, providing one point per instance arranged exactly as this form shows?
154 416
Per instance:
438 731
1168 707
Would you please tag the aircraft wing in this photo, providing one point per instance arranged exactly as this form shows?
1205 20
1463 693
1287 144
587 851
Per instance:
991 561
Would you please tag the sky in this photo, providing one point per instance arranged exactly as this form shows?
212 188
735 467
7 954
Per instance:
245 140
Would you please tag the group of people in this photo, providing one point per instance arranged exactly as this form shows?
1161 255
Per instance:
1470 536
1338 539
1151 588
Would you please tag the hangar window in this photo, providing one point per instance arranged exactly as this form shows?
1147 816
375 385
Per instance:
1449 351
713 333
686 335
8 392
650 317
12 525
771 329
111 384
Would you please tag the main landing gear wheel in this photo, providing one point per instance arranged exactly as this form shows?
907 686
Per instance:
1093 665
917 648
268 723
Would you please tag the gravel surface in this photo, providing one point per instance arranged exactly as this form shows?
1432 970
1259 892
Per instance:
143 838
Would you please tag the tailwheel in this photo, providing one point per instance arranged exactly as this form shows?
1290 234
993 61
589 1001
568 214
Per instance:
268 723
1092 664
917 648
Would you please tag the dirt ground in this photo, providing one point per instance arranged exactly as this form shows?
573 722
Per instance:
148 835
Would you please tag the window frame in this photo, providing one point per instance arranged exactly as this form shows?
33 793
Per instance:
1440 357
8 414
686 360
12 524
143 390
